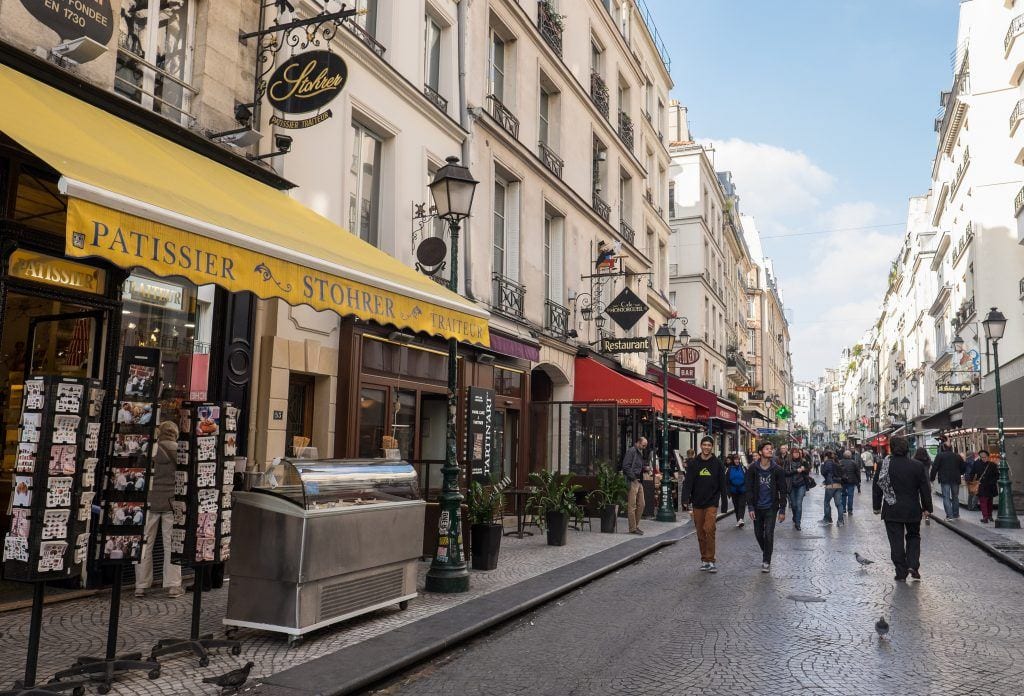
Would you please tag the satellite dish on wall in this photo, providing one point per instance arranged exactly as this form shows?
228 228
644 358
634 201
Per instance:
431 255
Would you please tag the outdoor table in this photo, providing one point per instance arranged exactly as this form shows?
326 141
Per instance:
520 495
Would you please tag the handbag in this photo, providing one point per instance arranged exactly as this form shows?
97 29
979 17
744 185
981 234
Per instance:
972 486
811 483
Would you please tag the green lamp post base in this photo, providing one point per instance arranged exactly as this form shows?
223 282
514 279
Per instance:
448 581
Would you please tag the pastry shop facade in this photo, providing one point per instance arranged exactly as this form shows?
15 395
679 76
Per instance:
119 230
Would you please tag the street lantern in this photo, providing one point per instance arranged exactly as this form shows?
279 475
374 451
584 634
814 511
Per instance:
452 190
684 337
664 341
905 403
914 382
599 321
995 325
958 344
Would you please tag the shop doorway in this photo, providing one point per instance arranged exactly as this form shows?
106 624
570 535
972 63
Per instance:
505 454
299 424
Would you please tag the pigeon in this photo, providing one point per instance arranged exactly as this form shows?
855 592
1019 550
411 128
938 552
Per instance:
864 562
881 628
232 681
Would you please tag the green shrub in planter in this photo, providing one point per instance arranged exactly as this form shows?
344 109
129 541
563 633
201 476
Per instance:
609 496
554 502
485 506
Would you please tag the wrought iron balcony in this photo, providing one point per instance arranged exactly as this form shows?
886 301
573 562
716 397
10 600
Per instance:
1018 202
1016 115
599 93
556 318
627 232
549 24
507 296
435 98
965 162
1016 27
602 207
626 129
503 116
552 161
1020 288
367 38
649 196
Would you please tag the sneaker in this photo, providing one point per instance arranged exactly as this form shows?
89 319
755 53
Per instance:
638 532
915 573
825 523
741 523
139 593
175 592
900 578
840 523
797 527
705 566
766 567
712 568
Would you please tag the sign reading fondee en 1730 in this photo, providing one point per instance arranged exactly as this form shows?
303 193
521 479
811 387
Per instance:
74 19
626 345
626 309
305 83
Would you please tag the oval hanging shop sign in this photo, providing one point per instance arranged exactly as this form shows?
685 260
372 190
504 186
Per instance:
304 83
75 19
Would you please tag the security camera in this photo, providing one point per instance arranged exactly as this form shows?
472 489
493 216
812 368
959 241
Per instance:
283 143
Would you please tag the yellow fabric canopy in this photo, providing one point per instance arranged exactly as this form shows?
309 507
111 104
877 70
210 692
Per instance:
139 200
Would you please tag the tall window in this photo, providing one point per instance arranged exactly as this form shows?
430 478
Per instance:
500 225
367 18
364 184
432 54
625 213
596 57
545 116
154 59
554 248
671 199
497 66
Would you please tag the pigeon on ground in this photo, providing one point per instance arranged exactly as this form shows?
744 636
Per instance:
881 628
232 681
864 562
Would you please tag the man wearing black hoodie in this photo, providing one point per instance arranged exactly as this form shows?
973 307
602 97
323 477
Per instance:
705 488
766 499
902 494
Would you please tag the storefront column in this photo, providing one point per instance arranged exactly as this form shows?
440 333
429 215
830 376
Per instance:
232 354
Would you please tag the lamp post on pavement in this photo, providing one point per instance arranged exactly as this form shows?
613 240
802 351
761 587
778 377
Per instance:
452 190
665 341
995 325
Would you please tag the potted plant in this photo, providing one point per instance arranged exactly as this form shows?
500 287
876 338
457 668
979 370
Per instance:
485 507
609 495
554 501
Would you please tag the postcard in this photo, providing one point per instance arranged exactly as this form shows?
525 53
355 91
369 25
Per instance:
58 491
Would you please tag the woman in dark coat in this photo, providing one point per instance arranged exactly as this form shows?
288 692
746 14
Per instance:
987 472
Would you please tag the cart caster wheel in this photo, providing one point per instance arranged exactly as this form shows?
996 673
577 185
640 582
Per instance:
78 691
403 605
154 674
230 633
294 641
103 689
236 649
204 661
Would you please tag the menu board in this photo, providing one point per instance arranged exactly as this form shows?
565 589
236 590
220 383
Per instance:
55 466
203 482
125 484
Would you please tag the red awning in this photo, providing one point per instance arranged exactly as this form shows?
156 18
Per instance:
707 400
595 383
726 411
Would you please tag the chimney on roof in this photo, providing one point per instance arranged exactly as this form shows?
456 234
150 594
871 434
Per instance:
678 126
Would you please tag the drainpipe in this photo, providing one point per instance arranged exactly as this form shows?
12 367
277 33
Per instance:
460 20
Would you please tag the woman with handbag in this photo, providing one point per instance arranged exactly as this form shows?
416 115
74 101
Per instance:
985 484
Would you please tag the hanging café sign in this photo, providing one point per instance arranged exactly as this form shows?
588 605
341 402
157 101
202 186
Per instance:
305 83
75 19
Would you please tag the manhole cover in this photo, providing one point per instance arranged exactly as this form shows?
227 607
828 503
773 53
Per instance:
811 537
805 598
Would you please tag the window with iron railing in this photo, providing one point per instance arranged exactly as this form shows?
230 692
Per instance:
508 296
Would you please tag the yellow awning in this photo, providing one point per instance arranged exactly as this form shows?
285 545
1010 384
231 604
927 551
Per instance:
139 200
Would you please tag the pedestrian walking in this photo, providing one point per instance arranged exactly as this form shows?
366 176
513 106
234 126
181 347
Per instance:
633 469
972 469
849 476
987 477
949 468
867 458
736 477
160 518
816 460
705 488
902 496
796 481
833 489
766 500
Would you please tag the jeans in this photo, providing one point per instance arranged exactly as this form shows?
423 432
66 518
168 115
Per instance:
739 504
848 489
837 494
951 499
704 519
905 545
764 531
796 502
635 504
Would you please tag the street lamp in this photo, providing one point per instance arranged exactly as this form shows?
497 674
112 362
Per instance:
452 190
664 340
995 325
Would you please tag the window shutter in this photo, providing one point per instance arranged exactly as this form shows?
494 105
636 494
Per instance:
512 231
555 289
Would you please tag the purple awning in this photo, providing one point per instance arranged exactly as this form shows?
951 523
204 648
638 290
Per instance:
514 348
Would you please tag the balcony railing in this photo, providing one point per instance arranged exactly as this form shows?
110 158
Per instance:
508 296
1016 115
965 161
952 105
367 38
556 318
435 98
549 24
649 196
602 207
962 245
552 161
627 232
503 116
626 129
1020 288
599 93
1018 202
1016 26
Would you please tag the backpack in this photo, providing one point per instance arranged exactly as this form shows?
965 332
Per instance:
737 478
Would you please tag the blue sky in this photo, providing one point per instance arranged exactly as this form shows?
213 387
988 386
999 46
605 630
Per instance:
823 111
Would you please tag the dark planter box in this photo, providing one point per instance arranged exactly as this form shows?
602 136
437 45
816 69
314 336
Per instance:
558 528
609 518
486 540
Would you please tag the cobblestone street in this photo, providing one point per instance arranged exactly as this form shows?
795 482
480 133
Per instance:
661 626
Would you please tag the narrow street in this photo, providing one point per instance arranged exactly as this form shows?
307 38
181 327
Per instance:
661 626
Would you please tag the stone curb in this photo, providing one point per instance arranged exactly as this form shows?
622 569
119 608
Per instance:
999 555
364 660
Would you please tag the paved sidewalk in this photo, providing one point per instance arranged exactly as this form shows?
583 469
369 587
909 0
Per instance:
79 627
1007 545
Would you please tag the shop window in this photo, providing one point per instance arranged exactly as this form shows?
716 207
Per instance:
508 383
364 184
403 427
38 204
393 360
154 59
300 410
372 417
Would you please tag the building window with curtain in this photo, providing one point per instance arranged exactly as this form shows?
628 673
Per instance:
154 58
364 184
432 62
496 67
499 227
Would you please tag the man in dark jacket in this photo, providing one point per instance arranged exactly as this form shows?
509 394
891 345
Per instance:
705 487
633 469
949 468
849 475
903 495
833 483
766 500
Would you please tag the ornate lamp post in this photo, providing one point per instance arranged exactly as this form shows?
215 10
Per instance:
665 341
995 325
452 191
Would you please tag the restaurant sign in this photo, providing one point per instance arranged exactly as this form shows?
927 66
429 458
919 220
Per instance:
305 83
626 309
479 429
626 345
687 355
75 19
949 388
40 268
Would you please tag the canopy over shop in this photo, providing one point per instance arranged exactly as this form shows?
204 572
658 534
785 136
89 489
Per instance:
721 420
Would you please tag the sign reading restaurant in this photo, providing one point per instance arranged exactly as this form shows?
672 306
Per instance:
626 345
305 83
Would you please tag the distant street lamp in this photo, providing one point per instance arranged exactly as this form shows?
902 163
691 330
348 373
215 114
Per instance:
452 190
995 326
665 341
